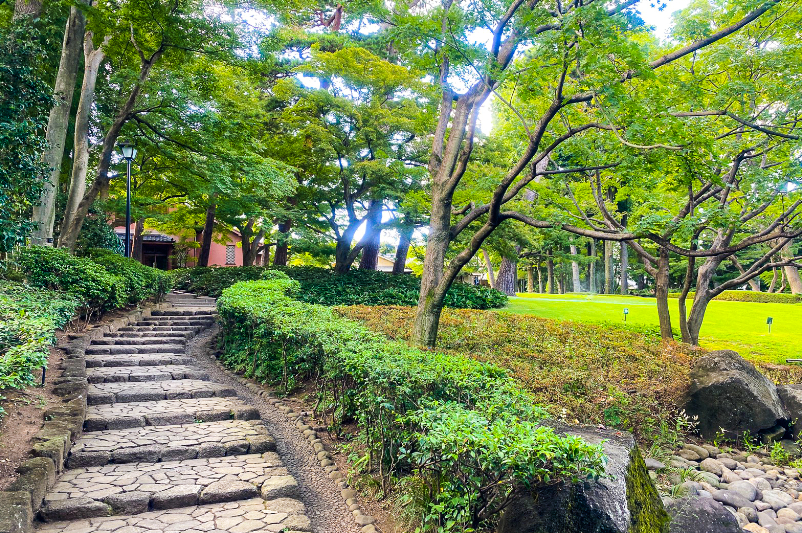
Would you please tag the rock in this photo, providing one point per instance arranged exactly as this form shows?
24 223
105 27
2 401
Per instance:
690 488
128 502
745 489
654 464
689 455
280 487
701 515
732 498
791 396
793 528
701 452
16 514
777 499
72 509
177 496
732 464
623 501
787 513
725 378
754 528
712 466
228 490
710 479
728 476
765 519
749 513
774 434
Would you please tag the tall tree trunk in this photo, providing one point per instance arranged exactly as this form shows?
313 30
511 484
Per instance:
80 164
530 279
27 9
58 123
491 278
791 272
592 267
251 243
561 281
266 256
208 232
550 274
404 241
575 280
507 277
608 267
370 252
624 268
539 280
661 288
773 279
754 283
136 252
280 257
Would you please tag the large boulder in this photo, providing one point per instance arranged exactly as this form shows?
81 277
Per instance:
727 393
701 515
624 501
791 396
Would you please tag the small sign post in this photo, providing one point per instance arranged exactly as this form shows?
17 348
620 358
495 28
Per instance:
626 312
769 321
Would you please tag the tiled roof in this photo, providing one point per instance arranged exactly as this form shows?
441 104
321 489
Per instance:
150 237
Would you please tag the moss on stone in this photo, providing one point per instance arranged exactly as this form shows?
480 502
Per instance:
648 514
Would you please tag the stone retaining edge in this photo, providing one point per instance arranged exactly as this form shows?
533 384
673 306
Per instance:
63 424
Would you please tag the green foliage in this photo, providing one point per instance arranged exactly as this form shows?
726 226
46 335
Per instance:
24 104
357 287
28 320
141 282
457 424
751 296
96 232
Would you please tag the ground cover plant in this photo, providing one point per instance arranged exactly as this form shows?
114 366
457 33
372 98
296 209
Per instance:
458 429
324 286
732 325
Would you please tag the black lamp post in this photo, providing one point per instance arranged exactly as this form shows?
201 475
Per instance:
129 153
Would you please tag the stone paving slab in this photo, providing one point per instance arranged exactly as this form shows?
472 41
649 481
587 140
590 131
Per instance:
146 348
164 335
134 359
137 487
136 340
166 412
160 329
171 443
181 312
254 515
114 374
104 393
174 321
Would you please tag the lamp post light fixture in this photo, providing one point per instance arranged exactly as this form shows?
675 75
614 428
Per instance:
128 152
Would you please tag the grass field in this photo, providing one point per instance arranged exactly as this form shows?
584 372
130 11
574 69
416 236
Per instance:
739 326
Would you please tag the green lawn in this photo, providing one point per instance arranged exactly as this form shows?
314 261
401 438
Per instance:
739 326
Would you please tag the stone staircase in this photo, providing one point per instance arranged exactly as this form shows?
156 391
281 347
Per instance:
166 449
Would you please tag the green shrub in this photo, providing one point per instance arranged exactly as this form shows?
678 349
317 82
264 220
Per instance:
357 287
141 282
751 296
57 269
461 427
28 320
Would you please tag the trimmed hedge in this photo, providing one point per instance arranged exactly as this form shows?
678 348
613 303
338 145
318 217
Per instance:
141 282
460 429
323 286
751 296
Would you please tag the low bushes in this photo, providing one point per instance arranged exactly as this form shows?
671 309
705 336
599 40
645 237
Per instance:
458 430
141 282
358 287
751 296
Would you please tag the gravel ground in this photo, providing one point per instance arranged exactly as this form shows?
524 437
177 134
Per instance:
324 505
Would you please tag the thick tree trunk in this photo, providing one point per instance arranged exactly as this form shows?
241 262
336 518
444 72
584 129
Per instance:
370 251
575 280
592 267
701 299
266 256
58 123
507 277
530 279
661 294
208 231
791 272
401 253
550 274
491 278
608 267
80 164
251 243
280 257
136 252
773 279
624 268
539 280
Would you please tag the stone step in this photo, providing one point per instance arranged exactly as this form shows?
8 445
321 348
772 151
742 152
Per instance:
254 515
115 374
187 322
134 488
167 412
171 443
144 348
134 359
181 312
134 341
179 389
149 334
160 329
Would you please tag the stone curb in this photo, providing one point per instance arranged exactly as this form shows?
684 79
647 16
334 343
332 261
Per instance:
364 521
63 424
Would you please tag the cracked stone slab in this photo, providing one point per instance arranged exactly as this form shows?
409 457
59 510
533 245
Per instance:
170 443
133 359
217 480
114 374
104 393
166 412
254 515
